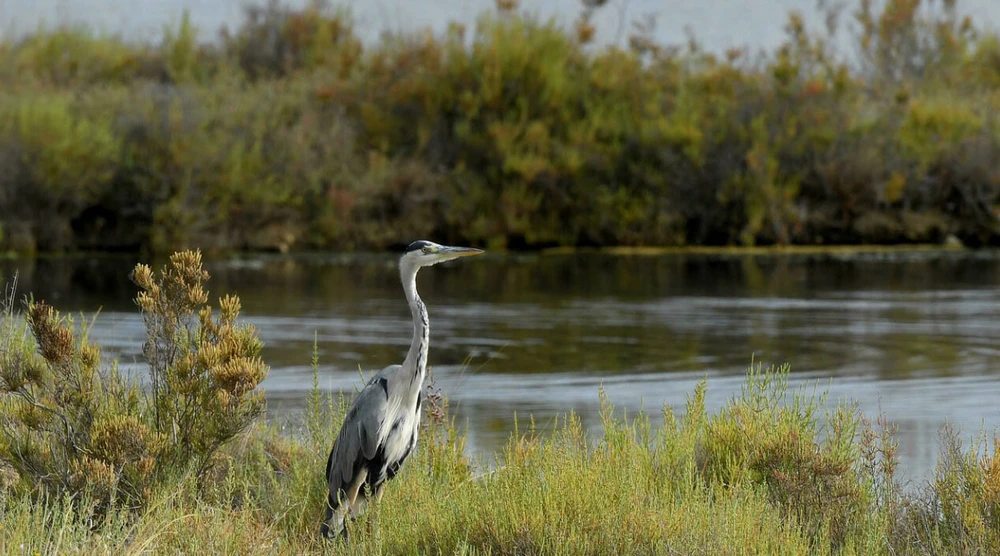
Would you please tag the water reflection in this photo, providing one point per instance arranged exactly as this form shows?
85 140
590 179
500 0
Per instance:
912 333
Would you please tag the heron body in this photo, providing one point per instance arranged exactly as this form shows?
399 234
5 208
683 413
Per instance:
380 430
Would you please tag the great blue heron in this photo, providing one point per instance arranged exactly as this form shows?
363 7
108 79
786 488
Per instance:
380 429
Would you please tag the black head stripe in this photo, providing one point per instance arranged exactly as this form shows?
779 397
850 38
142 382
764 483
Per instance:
419 244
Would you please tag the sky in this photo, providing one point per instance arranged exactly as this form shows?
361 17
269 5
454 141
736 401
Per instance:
718 24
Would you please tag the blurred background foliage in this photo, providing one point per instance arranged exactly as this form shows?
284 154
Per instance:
287 133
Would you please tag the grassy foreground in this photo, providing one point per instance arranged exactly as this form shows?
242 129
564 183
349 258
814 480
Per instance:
91 463
754 478
288 133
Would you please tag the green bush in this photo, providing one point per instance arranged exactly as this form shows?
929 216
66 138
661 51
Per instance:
60 161
69 56
204 374
66 428
277 41
762 439
966 494
289 134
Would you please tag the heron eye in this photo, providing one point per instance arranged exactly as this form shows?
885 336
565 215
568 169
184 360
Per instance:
426 250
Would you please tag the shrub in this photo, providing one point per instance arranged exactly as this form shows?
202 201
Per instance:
203 374
59 162
287 134
965 500
65 427
71 56
276 41
761 439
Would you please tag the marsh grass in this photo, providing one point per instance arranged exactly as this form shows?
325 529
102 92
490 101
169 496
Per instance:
641 488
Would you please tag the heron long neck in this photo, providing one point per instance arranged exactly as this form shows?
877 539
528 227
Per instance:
416 358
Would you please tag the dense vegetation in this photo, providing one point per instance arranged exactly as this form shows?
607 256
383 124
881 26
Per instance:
91 463
288 133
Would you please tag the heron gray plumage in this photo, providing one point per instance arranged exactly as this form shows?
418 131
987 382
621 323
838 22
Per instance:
380 429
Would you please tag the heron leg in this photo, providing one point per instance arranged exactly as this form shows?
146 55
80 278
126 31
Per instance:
350 509
352 492
334 524
364 499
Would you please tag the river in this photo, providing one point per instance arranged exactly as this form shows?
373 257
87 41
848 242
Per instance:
911 334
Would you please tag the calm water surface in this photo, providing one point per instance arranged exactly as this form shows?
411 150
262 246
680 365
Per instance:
914 335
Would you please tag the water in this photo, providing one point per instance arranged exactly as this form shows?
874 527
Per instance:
719 24
910 334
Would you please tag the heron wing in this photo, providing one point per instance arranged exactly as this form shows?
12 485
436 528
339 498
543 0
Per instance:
357 442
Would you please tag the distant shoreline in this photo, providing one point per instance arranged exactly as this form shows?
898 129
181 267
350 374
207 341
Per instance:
837 251
292 134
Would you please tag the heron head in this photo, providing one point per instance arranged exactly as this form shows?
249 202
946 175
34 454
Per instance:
426 253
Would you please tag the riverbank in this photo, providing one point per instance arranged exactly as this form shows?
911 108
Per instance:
927 249
698 483
288 134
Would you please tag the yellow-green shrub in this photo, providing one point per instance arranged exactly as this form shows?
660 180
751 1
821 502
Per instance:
66 428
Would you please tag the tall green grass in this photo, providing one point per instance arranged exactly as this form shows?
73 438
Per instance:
288 133
765 475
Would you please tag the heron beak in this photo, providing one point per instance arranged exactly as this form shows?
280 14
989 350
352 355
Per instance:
460 251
